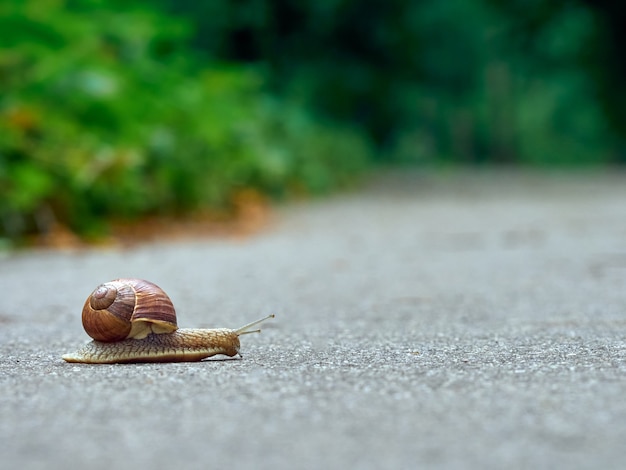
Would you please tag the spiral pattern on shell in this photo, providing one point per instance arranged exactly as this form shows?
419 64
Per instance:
128 308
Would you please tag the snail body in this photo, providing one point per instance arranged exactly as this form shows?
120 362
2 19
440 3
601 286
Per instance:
132 320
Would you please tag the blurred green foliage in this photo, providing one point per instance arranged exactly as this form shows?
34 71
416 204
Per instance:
455 81
104 113
119 109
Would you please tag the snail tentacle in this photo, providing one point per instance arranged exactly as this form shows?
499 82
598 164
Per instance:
245 329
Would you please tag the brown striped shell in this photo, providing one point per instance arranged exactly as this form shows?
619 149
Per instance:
128 308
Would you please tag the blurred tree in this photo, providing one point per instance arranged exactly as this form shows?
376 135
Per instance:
606 61
461 80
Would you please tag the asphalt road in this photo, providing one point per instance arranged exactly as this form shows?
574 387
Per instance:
426 321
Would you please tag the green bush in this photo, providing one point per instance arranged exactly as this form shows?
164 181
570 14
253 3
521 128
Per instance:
104 113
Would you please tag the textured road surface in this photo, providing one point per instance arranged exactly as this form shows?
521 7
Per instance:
449 321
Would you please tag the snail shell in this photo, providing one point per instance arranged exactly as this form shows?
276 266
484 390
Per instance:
128 308
132 320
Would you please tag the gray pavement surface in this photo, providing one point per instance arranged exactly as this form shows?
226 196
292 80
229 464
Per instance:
473 320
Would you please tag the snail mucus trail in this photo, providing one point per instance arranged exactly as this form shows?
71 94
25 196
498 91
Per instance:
132 320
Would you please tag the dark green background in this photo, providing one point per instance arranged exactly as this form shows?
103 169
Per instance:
121 109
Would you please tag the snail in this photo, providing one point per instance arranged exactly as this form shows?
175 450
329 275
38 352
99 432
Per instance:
132 320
